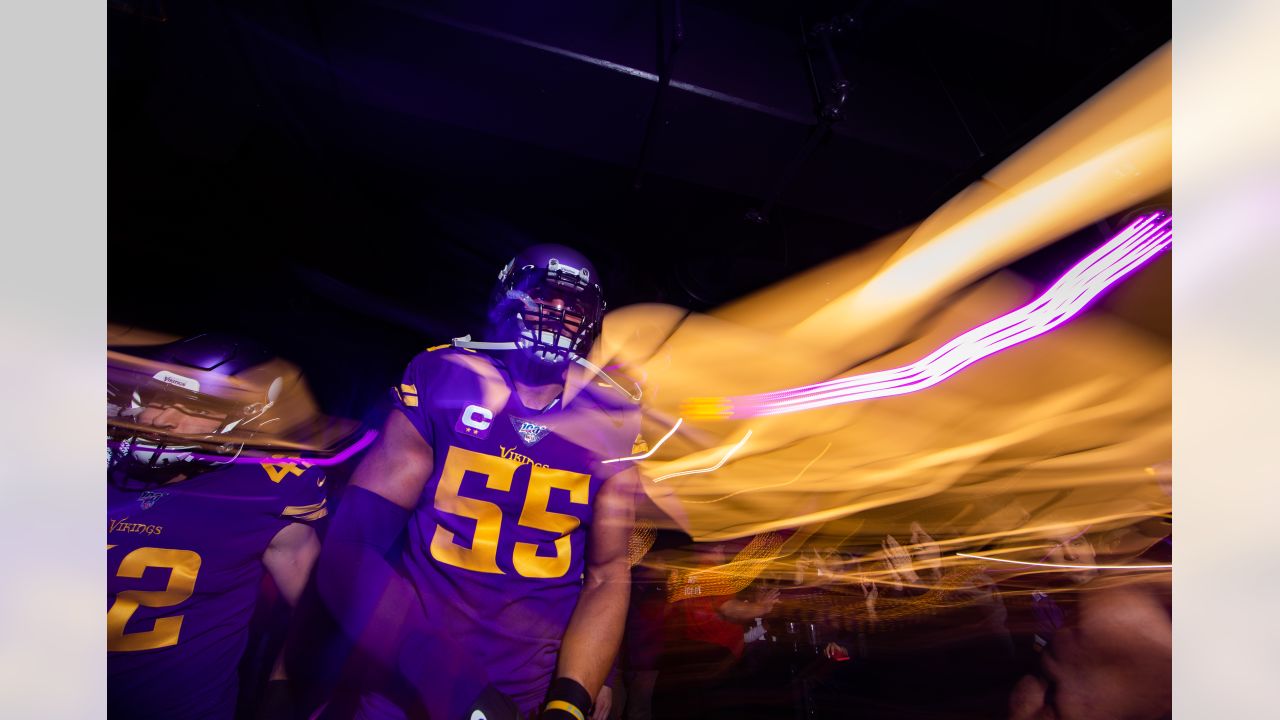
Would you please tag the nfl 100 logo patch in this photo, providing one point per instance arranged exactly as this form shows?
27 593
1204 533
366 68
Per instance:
149 498
530 433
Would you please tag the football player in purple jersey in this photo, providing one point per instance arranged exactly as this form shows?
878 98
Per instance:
505 469
192 524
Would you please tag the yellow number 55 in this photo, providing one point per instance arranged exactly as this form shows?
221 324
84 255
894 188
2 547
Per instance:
482 555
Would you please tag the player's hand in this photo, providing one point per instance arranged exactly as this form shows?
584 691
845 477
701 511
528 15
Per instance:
802 570
871 593
604 702
766 600
926 555
899 561
835 651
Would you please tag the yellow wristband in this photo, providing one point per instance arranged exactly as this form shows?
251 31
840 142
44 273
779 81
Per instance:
567 707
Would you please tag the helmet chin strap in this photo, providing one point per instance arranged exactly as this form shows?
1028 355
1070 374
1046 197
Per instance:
635 397
467 343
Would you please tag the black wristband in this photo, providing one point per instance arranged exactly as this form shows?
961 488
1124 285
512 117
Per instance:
567 700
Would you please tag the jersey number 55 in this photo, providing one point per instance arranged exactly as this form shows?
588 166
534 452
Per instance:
482 555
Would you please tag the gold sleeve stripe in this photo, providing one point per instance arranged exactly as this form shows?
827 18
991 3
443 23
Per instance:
567 707
303 509
411 389
410 400
311 517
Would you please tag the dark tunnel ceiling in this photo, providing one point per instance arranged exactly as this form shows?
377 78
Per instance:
386 156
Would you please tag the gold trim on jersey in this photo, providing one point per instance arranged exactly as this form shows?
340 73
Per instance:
305 512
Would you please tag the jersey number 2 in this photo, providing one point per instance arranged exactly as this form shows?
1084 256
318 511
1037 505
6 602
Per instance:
482 556
183 565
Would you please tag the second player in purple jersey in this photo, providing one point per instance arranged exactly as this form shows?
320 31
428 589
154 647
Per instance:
193 524
184 562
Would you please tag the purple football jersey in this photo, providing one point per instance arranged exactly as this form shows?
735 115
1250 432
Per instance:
184 562
496 546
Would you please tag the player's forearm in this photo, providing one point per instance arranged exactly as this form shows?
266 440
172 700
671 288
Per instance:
595 631
358 584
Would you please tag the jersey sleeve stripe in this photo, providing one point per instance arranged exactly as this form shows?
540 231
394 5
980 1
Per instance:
293 510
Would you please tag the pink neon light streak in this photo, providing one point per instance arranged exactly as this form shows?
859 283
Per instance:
1129 250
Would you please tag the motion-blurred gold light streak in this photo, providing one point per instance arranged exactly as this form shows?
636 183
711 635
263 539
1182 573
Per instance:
1057 431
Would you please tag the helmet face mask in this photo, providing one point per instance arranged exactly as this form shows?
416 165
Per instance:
549 303
179 419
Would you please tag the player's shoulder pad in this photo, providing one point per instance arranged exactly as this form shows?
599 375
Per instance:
301 487
442 358
446 367
283 469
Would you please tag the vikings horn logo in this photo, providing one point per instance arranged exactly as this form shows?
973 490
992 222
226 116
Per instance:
530 433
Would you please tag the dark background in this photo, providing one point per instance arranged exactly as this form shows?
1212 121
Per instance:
344 179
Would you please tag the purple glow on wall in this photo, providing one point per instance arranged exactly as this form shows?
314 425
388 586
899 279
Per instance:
1129 250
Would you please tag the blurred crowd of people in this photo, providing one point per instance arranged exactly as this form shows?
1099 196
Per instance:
890 631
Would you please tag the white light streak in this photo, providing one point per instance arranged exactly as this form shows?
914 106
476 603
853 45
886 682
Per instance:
713 468
1067 567
652 450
